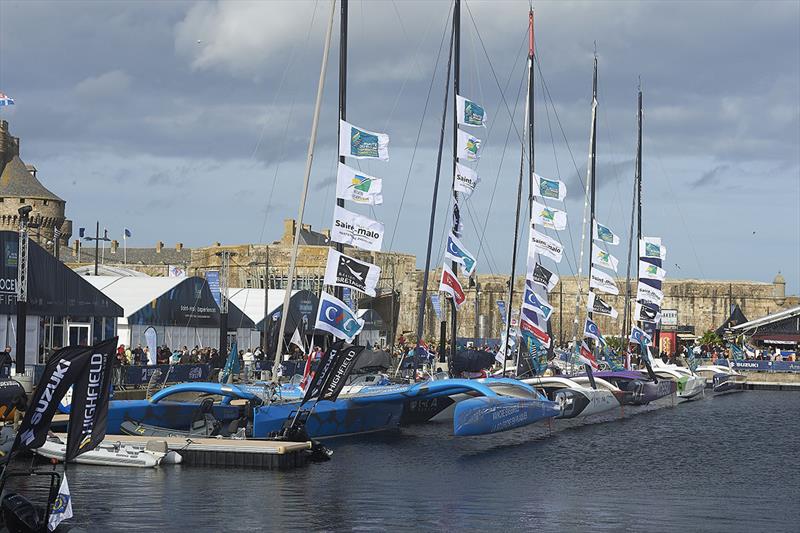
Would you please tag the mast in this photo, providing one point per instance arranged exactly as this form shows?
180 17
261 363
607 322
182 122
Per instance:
456 214
338 292
309 160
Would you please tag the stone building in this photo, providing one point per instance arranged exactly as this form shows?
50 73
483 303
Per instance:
700 304
20 185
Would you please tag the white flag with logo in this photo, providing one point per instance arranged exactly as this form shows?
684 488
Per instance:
357 186
547 188
651 271
604 259
652 247
469 147
345 271
62 506
602 281
548 217
356 230
544 245
646 313
649 294
599 306
470 113
604 234
362 144
466 180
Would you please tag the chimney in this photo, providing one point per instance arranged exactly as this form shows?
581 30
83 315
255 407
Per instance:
327 233
75 245
114 246
179 247
217 244
159 247
306 227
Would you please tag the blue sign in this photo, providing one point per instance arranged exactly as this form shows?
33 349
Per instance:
437 305
212 277
757 365
501 306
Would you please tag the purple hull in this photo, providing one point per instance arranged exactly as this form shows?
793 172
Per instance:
637 387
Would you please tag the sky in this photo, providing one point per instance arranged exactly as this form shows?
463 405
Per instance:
189 121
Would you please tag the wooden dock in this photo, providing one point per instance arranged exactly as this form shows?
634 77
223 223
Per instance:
241 453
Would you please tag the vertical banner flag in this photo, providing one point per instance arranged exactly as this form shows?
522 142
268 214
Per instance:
337 319
151 339
323 370
605 259
649 294
531 301
457 252
88 416
449 284
652 247
651 271
356 230
590 329
547 188
358 186
587 356
345 271
342 366
604 234
646 313
466 180
602 281
469 147
544 245
437 305
547 217
597 305
212 278
470 113
362 144
501 309
542 276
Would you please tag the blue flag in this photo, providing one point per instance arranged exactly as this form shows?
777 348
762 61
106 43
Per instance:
531 301
457 252
231 364
591 330
337 319
127 232
81 232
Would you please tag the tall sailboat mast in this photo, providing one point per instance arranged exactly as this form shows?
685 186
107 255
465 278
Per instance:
456 214
531 89
343 17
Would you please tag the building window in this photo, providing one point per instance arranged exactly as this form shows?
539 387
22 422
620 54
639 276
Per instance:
45 202
22 200
2 199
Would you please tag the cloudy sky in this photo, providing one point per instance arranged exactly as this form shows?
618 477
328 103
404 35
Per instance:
189 122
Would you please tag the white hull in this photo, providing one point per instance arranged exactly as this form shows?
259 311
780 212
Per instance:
110 455
594 401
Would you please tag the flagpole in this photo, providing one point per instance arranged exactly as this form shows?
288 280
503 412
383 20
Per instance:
338 292
124 247
456 214
309 160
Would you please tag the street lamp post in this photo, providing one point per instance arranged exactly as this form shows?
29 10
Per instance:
97 238
22 287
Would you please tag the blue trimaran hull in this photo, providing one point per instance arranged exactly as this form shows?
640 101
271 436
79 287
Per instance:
372 409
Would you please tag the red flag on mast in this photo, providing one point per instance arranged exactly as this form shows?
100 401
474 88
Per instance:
530 33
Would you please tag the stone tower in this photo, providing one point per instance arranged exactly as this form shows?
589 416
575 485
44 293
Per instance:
20 186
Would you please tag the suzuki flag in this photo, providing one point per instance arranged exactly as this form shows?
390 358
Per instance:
345 271
597 305
605 259
547 217
544 245
465 180
646 313
652 247
542 276
587 356
362 144
469 147
449 284
354 229
546 188
602 281
604 234
531 301
649 294
458 253
590 329
470 113
337 319
651 271
91 393
358 186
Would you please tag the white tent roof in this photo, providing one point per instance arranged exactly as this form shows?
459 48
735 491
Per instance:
251 301
132 293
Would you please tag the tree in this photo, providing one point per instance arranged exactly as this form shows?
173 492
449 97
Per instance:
710 338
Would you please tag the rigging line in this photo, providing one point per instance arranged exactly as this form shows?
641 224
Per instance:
678 209
489 257
494 74
499 170
286 129
415 56
419 131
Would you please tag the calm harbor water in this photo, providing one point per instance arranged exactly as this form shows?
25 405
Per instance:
726 463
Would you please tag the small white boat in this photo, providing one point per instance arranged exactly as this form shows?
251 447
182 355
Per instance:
690 385
722 379
148 455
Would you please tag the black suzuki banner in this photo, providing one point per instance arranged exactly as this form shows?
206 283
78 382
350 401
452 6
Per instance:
323 369
90 395
342 366
61 372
